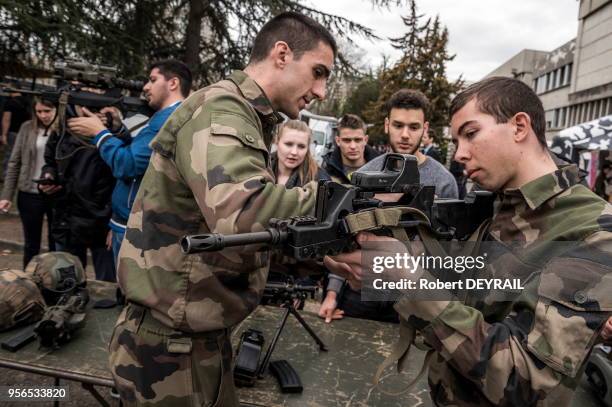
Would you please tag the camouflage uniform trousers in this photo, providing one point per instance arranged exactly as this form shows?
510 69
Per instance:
153 365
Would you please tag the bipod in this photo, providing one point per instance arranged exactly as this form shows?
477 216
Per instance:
289 309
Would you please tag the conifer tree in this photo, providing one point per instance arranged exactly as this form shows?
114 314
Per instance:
422 66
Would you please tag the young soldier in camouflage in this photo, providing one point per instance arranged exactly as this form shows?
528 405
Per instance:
530 350
209 172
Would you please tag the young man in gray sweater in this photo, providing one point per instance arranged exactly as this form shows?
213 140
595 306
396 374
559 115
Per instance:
405 125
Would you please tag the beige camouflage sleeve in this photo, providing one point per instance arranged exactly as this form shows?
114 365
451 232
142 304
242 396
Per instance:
536 350
221 155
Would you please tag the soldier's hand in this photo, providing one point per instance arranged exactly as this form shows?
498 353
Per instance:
328 308
350 266
388 197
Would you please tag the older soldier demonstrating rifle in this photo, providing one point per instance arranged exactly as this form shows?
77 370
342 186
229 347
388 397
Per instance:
209 171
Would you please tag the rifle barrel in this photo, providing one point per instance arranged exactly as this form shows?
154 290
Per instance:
210 242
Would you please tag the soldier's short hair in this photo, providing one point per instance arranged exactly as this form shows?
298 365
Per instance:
351 121
300 32
502 98
407 99
173 68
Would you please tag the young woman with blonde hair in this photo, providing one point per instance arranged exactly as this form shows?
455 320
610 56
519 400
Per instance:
292 162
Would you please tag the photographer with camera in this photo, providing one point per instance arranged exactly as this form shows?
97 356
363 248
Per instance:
128 157
24 167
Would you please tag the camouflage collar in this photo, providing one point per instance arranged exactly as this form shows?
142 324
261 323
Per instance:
542 189
255 95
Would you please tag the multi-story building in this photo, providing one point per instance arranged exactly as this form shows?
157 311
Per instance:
573 81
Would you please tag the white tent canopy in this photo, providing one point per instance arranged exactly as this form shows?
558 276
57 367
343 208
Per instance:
593 135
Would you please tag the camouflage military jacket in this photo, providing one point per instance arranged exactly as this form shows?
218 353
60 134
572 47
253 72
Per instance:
530 350
209 172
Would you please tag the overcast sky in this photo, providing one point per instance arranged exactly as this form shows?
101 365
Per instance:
483 33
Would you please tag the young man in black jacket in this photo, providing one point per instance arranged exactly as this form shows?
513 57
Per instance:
352 150
83 188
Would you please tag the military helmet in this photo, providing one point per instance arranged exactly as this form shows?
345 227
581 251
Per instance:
56 273
20 300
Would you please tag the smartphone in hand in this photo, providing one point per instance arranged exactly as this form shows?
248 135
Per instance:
45 181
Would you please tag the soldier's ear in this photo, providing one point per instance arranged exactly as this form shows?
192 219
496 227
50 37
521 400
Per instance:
281 54
522 126
386 125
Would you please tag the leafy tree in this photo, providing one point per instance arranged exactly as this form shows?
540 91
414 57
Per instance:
344 81
366 91
211 36
422 66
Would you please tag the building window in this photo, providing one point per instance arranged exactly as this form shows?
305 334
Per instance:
548 117
541 84
553 79
562 121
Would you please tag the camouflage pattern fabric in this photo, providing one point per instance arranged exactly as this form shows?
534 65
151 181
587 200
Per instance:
532 350
209 172
594 135
20 300
155 365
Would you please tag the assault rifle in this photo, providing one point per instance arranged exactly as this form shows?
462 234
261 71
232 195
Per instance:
62 320
98 76
329 232
74 94
76 77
